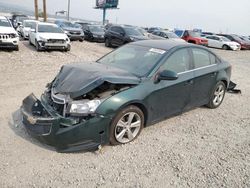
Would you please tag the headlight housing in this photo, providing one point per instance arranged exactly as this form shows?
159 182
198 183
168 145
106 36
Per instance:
13 35
132 38
43 39
83 107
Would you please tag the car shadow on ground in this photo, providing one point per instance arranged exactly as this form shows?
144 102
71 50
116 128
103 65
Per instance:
18 128
16 125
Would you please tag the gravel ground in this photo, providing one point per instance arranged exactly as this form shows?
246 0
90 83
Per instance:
200 148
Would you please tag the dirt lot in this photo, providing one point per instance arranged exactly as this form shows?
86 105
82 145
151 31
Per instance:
201 148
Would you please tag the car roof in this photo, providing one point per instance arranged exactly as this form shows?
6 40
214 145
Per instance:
46 23
31 21
161 44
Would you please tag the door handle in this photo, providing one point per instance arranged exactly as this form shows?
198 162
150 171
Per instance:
189 82
213 74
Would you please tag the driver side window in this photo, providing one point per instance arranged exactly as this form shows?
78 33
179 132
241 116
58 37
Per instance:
178 62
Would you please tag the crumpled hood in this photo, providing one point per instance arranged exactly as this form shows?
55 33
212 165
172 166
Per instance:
78 79
53 36
7 30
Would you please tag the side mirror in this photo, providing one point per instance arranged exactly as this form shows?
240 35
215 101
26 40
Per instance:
32 30
167 75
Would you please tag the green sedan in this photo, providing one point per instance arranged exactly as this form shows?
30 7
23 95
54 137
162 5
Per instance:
111 100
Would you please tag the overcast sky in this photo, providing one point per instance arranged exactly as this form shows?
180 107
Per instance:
228 16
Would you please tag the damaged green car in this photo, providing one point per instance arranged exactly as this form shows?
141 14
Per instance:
110 101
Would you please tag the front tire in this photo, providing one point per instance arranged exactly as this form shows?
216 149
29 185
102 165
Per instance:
217 95
38 48
126 126
225 47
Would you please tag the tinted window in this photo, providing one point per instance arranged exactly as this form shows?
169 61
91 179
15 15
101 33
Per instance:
178 62
116 29
202 58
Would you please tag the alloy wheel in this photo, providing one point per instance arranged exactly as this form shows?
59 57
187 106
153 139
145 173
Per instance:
128 127
218 95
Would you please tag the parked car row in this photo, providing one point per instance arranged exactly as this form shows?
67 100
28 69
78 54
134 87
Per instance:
58 35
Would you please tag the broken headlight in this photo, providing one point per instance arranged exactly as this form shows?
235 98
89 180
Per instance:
83 107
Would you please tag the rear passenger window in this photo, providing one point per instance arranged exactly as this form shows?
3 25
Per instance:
202 58
178 61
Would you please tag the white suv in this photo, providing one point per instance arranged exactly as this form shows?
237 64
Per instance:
48 36
8 36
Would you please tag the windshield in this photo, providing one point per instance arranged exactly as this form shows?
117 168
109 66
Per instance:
69 24
29 24
138 60
194 34
142 31
172 35
49 29
96 29
237 38
225 39
132 31
4 23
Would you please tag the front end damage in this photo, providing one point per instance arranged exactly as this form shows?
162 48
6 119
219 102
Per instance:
66 116
66 134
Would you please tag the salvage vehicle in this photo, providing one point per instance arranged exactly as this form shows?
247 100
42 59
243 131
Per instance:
94 33
222 42
72 31
8 36
168 35
25 28
113 99
244 45
48 36
118 35
192 37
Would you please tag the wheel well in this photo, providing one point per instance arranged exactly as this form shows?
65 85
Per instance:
225 82
143 109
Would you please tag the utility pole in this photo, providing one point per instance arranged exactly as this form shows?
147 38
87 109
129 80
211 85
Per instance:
44 11
36 9
104 16
68 8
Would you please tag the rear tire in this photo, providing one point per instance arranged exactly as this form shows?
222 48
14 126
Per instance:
217 95
38 48
126 125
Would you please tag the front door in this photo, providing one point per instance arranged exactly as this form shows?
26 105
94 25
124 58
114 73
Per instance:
171 97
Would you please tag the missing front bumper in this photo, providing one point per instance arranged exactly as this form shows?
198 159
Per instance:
66 135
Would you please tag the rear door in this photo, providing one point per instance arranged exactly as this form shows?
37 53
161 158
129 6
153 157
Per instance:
205 72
